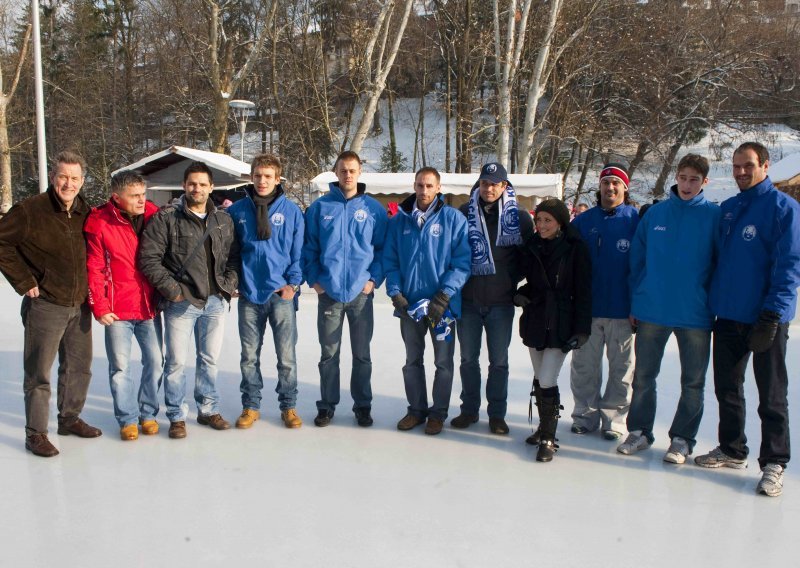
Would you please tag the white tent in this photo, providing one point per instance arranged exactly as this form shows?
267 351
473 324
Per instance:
534 186
164 170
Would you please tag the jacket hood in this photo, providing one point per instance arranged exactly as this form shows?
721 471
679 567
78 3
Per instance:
698 199
336 191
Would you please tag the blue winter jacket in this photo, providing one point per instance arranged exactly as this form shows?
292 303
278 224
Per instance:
272 263
759 255
608 235
672 259
343 243
419 262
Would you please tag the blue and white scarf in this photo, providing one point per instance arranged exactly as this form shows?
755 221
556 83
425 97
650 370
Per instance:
442 331
508 233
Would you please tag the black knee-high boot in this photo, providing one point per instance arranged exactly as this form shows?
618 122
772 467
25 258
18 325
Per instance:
534 438
549 404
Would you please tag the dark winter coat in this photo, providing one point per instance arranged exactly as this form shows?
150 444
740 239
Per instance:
42 244
498 289
168 241
559 287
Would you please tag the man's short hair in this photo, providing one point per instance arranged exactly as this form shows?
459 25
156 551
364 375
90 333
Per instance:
695 161
429 170
760 150
198 168
121 180
69 157
346 156
267 161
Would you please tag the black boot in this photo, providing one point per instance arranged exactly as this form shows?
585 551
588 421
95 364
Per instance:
549 404
534 438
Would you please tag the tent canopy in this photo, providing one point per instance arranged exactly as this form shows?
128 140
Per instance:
526 185
164 170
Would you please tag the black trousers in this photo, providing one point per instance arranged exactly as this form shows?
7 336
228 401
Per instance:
730 362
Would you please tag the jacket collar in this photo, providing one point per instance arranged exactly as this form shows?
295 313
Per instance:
757 190
336 191
79 205
698 199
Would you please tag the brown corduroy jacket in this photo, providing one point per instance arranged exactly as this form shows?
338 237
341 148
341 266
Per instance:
42 244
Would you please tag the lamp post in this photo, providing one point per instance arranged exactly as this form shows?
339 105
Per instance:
41 148
241 111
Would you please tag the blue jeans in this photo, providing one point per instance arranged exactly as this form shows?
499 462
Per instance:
694 347
208 325
130 408
330 321
253 320
498 322
413 334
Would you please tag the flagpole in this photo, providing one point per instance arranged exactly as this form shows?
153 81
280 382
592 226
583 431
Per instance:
41 147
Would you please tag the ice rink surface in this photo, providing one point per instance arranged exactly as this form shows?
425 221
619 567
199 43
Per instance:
346 496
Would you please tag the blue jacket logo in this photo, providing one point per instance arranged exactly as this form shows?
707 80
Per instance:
360 215
749 232
623 245
436 230
277 219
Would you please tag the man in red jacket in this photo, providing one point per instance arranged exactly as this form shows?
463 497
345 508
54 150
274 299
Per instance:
125 302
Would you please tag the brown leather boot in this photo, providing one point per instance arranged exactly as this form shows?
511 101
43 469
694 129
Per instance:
177 430
216 421
39 445
79 428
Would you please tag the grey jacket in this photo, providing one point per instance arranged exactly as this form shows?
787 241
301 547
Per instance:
168 241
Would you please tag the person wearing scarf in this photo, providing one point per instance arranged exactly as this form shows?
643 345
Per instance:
557 312
496 229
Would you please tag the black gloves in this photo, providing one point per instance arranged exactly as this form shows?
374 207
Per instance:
436 308
400 303
575 342
763 332
521 300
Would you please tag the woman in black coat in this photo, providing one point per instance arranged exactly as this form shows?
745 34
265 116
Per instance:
557 310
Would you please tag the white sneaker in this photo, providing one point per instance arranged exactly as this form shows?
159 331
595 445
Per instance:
635 442
678 450
771 483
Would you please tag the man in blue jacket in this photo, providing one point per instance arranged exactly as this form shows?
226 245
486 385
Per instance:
345 230
754 296
672 258
427 261
608 229
270 230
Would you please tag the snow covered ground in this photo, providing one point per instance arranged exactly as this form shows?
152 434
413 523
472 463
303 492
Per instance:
346 496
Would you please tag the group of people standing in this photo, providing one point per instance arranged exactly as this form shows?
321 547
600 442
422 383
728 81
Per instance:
684 268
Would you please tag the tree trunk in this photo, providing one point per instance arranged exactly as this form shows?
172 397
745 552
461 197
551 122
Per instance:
658 190
641 152
536 89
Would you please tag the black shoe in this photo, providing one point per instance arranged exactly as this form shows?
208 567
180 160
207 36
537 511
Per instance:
498 426
547 449
464 420
323 418
534 438
363 417
579 430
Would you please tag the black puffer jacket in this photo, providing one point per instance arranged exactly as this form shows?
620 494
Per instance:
169 239
559 287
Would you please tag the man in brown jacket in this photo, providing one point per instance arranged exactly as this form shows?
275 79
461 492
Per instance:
43 256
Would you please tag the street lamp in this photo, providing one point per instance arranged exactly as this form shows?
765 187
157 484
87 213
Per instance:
241 111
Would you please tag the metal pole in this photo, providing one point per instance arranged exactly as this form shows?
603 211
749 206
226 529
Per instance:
242 129
41 147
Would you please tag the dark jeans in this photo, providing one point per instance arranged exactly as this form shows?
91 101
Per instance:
52 330
498 321
413 334
694 346
330 321
730 362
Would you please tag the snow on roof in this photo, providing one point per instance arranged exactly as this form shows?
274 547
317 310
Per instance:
164 170
528 185
785 169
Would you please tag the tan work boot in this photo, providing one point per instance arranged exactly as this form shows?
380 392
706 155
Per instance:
291 419
248 416
129 432
149 427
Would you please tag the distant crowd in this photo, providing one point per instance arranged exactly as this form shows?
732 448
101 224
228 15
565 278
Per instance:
609 281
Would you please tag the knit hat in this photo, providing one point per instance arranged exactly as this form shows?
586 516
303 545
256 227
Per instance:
493 172
616 170
557 209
